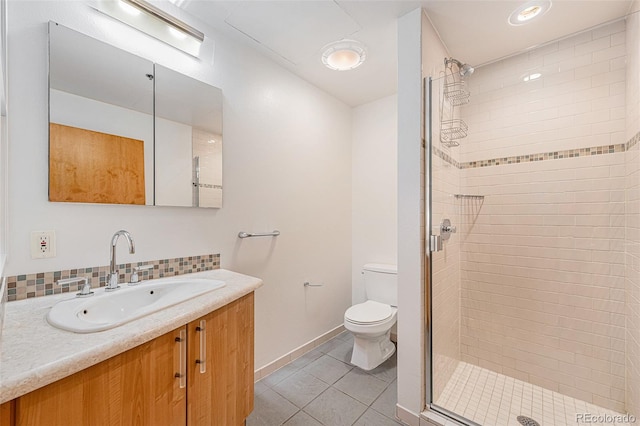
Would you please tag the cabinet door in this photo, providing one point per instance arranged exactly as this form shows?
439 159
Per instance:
7 411
137 387
220 369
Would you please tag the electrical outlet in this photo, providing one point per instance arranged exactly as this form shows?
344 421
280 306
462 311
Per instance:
43 244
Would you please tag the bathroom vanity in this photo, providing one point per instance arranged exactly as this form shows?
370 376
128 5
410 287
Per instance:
199 372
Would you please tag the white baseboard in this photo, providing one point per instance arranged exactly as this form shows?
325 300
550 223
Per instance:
407 417
296 353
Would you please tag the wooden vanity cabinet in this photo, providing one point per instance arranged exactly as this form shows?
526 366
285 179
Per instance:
220 373
142 387
136 387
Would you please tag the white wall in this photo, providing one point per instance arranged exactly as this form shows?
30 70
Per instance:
374 188
287 166
174 163
410 246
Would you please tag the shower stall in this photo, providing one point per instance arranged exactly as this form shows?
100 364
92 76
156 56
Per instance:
533 234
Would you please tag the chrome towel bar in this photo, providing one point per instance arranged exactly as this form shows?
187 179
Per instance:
258 234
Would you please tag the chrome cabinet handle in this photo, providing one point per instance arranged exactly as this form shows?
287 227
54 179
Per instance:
202 360
182 359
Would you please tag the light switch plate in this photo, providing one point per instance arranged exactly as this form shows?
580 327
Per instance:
43 244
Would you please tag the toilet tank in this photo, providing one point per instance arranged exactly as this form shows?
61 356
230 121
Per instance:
381 283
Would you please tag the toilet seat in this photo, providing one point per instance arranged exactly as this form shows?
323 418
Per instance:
369 313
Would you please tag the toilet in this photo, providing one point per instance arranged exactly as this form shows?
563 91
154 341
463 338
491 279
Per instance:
371 321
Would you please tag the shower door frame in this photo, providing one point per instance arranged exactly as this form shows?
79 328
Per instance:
429 242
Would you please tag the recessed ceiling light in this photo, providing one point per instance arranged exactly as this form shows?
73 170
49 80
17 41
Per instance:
526 12
534 76
344 55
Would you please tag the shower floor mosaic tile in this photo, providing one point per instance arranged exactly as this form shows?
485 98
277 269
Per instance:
322 388
493 399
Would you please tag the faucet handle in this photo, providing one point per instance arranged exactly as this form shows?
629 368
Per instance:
112 281
86 288
135 278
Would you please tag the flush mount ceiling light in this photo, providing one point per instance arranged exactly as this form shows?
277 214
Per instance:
526 12
344 55
149 19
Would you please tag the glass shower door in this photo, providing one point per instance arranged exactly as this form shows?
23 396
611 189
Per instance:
531 226
443 221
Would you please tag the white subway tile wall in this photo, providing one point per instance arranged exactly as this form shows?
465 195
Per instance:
208 147
632 218
577 102
543 256
445 290
543 275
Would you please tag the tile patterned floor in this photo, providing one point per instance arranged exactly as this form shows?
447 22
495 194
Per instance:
490 398
322 388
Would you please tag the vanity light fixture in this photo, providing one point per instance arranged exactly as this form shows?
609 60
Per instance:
526 12
343 55
149 19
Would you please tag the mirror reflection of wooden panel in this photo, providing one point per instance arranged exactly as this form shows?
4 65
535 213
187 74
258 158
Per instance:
98 87
93 167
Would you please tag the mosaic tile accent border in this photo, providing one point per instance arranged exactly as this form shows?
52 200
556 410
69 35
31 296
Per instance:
543 156
633 141
446 157
26 286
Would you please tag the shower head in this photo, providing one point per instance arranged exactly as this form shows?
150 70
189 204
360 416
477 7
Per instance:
465 70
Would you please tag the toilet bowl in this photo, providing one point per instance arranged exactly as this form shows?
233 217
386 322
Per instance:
371 321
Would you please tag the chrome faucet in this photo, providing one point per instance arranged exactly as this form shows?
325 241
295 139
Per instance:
112 278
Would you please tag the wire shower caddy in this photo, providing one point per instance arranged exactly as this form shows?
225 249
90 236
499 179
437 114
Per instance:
454 94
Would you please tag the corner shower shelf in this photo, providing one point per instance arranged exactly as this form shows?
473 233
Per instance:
468 197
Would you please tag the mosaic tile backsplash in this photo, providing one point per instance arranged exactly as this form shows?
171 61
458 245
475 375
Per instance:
44 283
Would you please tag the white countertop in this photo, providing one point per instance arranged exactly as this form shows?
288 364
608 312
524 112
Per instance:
34 353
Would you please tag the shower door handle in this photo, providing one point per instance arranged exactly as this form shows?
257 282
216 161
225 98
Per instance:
435 243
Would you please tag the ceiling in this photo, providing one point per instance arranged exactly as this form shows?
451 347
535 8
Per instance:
293 33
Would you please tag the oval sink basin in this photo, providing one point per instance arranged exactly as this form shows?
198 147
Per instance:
104 310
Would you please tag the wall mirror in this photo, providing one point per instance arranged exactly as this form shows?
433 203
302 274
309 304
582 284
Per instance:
123 130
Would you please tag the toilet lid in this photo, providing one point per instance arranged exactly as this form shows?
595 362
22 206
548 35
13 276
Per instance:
368 312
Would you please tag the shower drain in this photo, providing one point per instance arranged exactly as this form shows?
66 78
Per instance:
527 421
